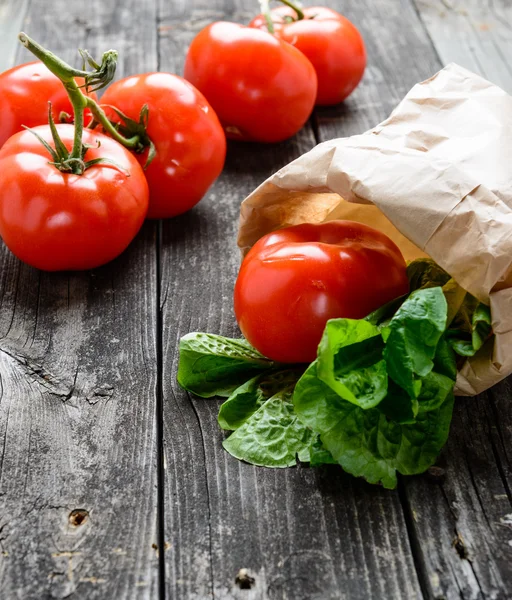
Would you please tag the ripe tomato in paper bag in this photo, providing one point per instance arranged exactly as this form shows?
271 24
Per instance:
295 279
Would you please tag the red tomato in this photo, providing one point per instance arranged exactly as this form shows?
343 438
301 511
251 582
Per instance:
263 89
330 41
24 94
59 221
294 280
189 140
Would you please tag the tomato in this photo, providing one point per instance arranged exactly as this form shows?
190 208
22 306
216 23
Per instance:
59 221
24 94
330 41
189 141
262 89
294 280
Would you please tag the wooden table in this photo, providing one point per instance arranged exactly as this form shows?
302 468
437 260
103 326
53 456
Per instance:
113 481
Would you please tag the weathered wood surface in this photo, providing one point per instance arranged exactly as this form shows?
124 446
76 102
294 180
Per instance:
12 15
476 34
78 395
82 397
460 524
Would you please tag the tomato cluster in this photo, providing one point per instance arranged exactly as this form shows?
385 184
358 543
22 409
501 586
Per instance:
76 187
74 199
264 79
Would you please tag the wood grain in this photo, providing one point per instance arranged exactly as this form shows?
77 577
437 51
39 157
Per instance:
12 15
462 517
458 524
78 370
476 34
301 533
79 355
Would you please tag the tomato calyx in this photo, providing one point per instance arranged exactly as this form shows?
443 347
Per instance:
131 129
100 76
62 157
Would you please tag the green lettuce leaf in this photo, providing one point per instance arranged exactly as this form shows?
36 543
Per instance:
425 273
435 390
455 297
445 359
248 398
350 361
272 436
366 443
318 455
383 315
468 319
212 365
398 405
414 333
471 328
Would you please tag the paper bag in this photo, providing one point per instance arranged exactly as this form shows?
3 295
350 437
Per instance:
436 176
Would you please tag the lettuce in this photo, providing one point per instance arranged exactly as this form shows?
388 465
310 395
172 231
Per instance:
212 365
378 399
366 443
272 436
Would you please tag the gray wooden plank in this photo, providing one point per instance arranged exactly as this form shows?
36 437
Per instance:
78 498
399 55
12 15
501 431
462 517
476 34
458 527
301 533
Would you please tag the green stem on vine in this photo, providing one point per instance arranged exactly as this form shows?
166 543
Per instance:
99 77
66 74
265 11
99 115
296 7
56 65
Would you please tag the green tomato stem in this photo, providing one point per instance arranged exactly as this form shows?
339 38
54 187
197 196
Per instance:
100 116
296 7
66 74
265 11
55 64
99 77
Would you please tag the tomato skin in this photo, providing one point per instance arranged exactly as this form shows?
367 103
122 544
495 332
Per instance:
58 221
262 89
25 91
189 140
331 42
294 280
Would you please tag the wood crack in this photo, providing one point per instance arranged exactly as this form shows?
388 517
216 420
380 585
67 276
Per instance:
208 499
414 541
500 466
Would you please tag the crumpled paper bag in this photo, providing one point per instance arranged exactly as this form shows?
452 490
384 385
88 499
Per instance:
436 176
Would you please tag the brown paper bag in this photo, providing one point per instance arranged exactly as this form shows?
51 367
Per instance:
436 176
